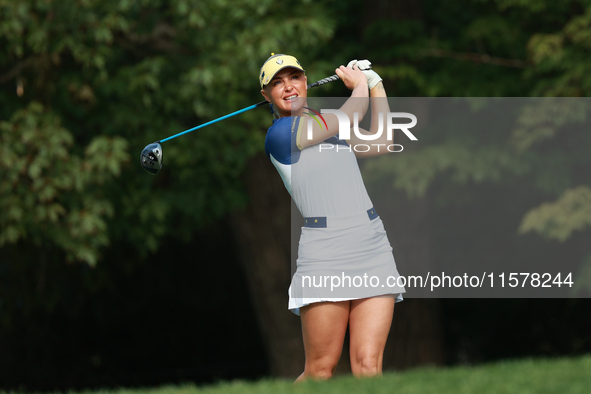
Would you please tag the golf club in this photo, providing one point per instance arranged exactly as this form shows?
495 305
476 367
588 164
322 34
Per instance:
151 157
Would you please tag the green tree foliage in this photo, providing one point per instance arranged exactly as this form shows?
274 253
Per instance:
559 219
41 177
86 84
134 72
84 87
477 48
96 81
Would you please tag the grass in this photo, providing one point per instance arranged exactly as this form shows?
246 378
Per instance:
565 375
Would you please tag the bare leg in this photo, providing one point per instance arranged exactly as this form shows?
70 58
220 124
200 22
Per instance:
369 324
324 325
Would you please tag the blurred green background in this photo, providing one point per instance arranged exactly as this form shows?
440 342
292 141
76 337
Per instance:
111 277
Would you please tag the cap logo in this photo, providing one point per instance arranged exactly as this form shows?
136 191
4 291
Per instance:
269 69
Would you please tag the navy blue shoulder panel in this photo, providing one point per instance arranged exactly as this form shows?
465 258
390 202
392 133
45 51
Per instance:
335 141
281 140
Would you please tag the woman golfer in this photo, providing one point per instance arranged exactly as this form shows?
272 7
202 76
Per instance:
344 256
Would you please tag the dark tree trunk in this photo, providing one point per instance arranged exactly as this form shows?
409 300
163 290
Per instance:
263 234
416 337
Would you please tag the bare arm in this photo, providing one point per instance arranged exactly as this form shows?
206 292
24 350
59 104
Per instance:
355 80
379 107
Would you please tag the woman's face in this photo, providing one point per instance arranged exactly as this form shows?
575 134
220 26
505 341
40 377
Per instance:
284 90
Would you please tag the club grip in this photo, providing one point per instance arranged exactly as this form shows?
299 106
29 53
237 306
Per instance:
323 81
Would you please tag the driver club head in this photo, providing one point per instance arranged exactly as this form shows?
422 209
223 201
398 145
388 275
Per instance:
151 158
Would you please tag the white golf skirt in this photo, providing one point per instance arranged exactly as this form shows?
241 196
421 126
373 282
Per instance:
349 259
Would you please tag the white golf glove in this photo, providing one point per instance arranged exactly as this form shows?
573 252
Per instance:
365 66
352 63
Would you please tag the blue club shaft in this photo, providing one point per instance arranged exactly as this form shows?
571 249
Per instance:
318 83
215 120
